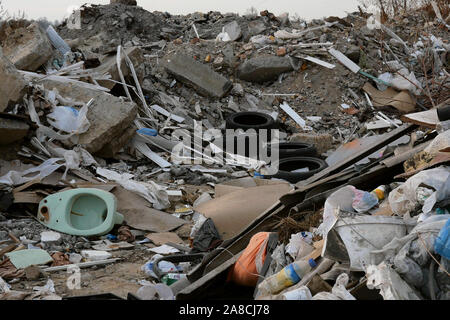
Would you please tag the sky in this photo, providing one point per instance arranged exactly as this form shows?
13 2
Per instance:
307 9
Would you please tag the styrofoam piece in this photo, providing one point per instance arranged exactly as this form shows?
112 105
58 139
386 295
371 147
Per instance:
50 236
95 255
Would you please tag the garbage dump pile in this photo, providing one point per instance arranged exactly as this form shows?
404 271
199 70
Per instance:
110 186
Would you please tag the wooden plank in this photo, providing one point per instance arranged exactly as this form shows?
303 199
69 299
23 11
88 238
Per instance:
26 185
27 197
390 137
427 118
7 249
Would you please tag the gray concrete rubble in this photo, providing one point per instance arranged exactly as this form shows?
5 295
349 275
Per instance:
202 78
13 84
28 48
109 66
264 68
110 117
12 130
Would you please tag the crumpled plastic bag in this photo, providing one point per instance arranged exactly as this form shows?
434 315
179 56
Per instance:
403 200
74 158
164 266
69 119
299 245
343 199
45 169
402 80
408 268
150 191
223 36
302 293
339 292
428 230
81 123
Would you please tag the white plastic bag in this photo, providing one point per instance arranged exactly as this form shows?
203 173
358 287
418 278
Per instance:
403 199
152 192
69 119
45 169
301 293
223 36
300 245
339 292
402 80
343 199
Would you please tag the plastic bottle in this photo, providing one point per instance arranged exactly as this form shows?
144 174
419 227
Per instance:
287 277
363 201
171 278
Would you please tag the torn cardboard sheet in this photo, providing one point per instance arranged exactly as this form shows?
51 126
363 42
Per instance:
139 216
164 249
402 101
164 237
242 183
235 211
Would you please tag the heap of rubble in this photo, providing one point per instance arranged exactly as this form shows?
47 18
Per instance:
94 103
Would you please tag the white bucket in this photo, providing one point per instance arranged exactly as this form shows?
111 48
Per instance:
363 234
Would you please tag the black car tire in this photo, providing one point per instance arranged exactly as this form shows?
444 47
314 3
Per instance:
287 165
250 120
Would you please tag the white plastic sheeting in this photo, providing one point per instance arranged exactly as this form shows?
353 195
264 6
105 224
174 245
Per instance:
151 191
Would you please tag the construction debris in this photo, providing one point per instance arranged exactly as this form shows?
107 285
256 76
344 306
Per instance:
218 156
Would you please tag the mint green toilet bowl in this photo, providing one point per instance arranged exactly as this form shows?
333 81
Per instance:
80 212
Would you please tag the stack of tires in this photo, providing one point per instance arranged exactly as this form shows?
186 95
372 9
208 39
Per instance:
294 157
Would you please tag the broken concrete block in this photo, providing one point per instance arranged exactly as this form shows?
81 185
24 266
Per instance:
12 130
28 48
109 116
13 84
233 30
322 142
264 68
109 65
256 27
197 75
117 143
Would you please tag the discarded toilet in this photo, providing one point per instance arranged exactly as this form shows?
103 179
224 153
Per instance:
81 212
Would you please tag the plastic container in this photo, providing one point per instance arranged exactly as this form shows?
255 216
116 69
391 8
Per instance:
363 234
287 277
